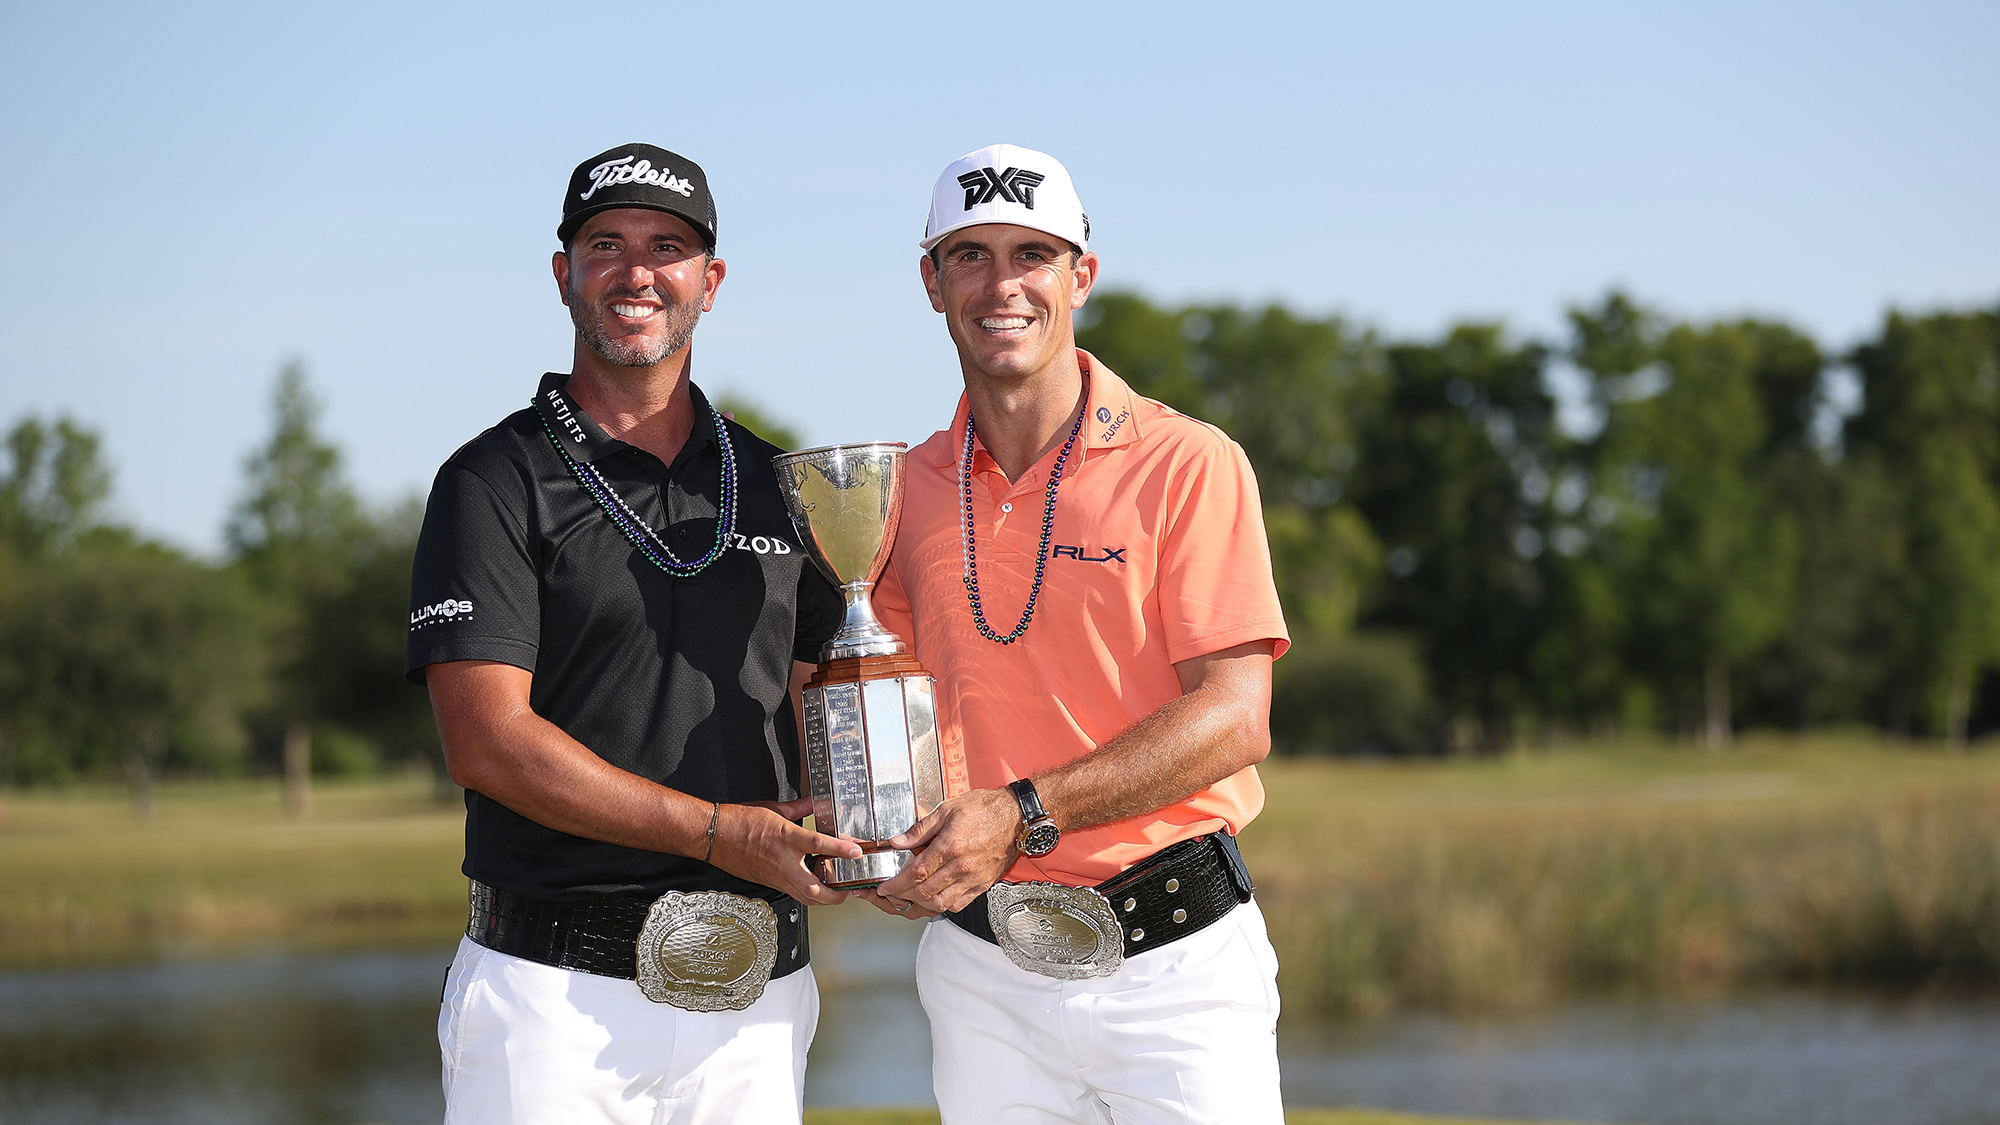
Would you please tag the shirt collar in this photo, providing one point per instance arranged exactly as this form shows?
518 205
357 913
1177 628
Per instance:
1109 419
583 439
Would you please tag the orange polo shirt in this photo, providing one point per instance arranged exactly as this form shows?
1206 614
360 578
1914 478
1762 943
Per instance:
1158 556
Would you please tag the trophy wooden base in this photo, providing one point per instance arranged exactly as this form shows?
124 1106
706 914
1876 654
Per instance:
862 669
872 759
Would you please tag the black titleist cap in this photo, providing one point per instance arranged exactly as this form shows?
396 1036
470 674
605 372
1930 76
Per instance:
639 176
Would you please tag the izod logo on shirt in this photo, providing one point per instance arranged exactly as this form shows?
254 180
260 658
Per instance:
762 544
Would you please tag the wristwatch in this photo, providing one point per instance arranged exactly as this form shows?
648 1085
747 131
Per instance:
1039 834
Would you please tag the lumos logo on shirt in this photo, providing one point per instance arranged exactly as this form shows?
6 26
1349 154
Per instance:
446 609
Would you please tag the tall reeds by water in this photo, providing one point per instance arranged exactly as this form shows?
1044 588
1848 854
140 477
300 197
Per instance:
1446 884
1512 882
220 866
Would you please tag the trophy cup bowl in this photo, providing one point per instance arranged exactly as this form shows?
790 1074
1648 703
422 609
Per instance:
872 759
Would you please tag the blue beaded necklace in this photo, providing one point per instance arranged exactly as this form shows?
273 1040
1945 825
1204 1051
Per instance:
637 530
971 576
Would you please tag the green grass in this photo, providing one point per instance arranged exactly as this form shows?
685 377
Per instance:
221 866
1512 881
1454 884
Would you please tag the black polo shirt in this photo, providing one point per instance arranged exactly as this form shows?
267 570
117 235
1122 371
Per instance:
679 680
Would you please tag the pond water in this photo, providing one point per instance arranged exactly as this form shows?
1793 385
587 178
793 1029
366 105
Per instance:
1781 1059
295 1039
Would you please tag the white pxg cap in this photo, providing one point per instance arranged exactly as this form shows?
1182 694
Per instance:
1007 184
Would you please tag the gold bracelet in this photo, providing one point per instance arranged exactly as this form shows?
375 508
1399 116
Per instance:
712 818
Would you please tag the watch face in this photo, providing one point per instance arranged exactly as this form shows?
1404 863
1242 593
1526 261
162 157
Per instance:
1041 839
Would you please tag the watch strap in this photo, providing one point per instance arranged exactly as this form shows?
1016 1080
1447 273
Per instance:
1030 801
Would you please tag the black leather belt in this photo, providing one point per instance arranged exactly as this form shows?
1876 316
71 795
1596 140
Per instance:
599 935
1168 895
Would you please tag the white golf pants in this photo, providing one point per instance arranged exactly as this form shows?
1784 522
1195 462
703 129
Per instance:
530 1044
1183 1033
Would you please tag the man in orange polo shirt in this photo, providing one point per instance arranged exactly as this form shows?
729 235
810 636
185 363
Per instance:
1086 573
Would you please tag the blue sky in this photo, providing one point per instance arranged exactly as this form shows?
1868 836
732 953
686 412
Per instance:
190 195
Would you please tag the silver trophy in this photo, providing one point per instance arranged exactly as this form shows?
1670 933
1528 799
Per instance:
872 760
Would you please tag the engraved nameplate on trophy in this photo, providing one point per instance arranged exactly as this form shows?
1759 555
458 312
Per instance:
873 765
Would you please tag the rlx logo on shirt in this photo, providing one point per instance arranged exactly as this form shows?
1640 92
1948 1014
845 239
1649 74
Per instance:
1111 554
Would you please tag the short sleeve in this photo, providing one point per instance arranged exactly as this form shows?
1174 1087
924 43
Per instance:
1214 578
474 593
820 611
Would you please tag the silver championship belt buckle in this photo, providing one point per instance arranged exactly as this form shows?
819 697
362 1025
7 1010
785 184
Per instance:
707 951
1068 933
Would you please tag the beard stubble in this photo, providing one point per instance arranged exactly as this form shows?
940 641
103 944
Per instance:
681 317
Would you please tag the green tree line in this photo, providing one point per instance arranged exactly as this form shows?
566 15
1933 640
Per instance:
121 656
1729 544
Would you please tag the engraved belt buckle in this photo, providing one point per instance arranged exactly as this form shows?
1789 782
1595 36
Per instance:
707 951
1069 933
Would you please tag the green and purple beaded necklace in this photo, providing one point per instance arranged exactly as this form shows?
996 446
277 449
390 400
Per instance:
971 575
641 534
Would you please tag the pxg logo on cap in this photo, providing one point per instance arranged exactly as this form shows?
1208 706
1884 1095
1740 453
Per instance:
1007 184
1016 185
643 176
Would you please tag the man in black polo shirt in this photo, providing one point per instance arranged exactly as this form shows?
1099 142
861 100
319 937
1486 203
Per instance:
611 609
